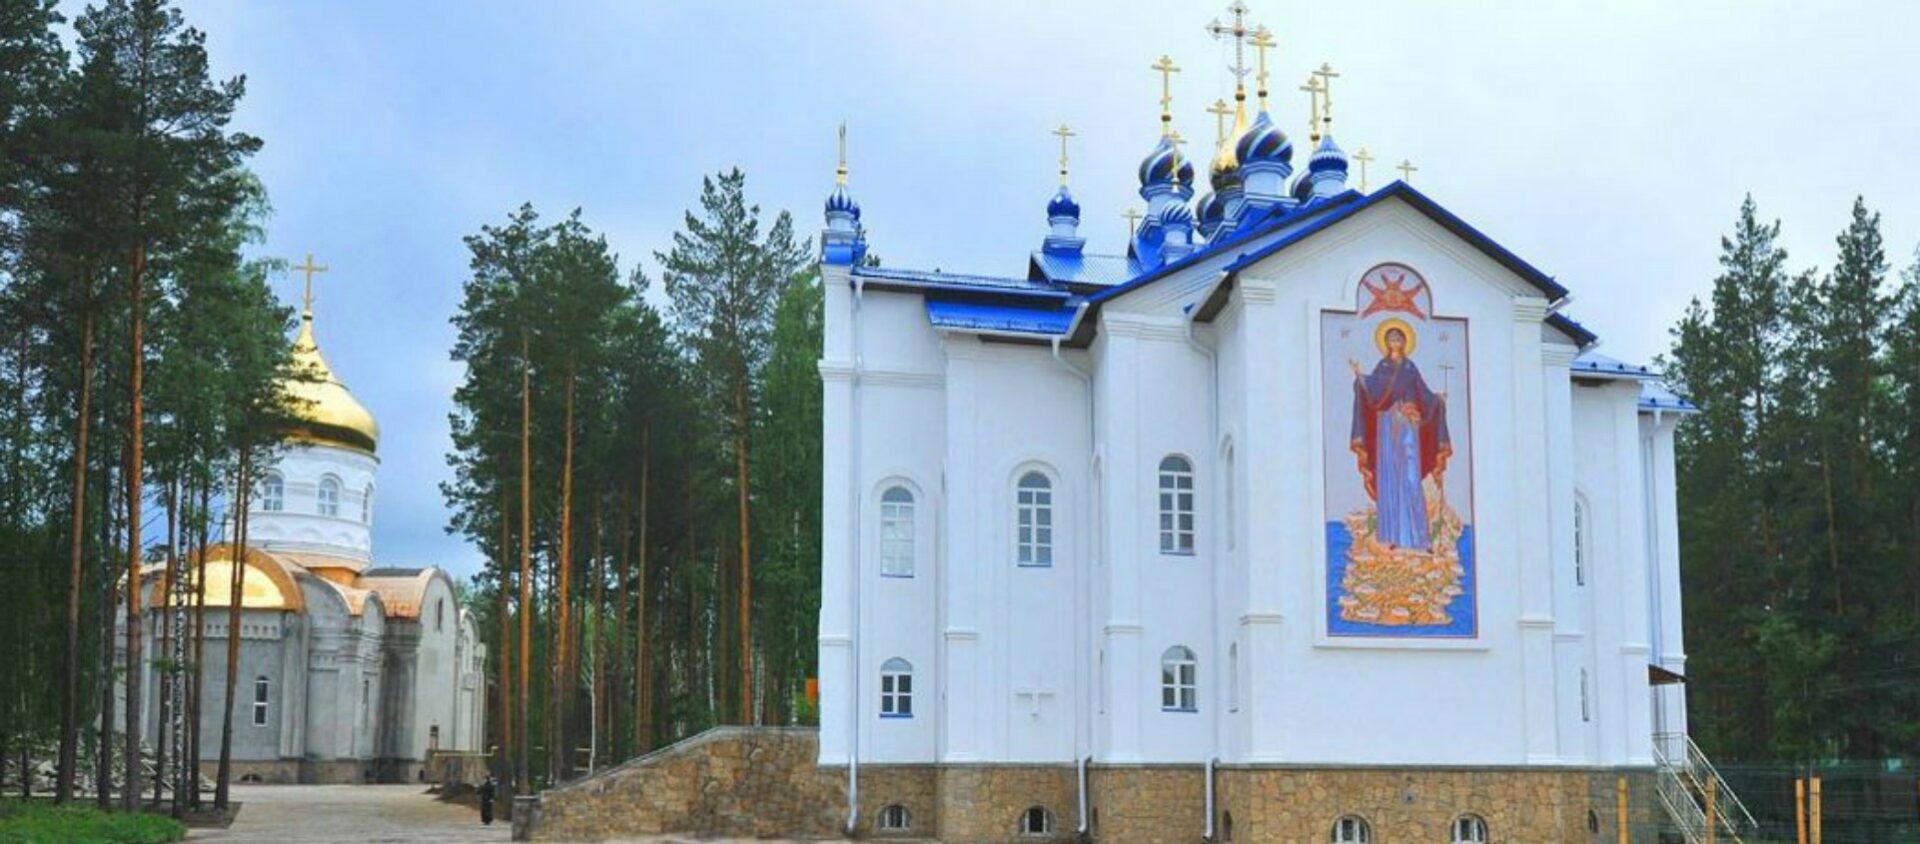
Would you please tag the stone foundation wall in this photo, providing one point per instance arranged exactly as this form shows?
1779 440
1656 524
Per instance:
762 783
735 782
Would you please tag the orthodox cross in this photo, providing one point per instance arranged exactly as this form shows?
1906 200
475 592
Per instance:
1363 157
1262 41
840 170
1064 133
1178 156
1446 378
1219 110
1407 170
1166 69
1326 75
1237 32
1133 216
309 268
1313 90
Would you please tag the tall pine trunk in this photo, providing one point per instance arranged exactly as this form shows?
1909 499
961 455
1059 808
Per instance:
504 662
130 753
568 668
164 679
521 785
623 570
110 599
243 487
597 571
642 664
745 631
197 689
69 762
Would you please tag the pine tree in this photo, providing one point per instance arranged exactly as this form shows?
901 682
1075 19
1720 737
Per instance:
724 279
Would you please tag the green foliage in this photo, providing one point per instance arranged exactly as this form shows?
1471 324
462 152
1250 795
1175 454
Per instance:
1800 537
42 823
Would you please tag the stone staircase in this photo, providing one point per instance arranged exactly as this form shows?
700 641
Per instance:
1697 799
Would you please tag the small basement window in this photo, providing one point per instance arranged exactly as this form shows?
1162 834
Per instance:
895 818
1036 820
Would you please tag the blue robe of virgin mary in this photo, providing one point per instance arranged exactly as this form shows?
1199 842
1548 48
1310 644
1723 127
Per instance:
1399 438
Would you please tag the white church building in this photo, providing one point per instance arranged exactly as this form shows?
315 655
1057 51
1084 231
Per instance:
1310 514
349 670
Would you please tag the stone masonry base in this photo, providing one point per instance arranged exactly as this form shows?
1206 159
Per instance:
762 783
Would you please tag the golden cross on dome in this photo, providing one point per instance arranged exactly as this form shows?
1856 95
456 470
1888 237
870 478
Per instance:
1064 134
1262 41
1326 75
1238 32
1166 69
1133 216
1407 170
1363 157
1313 89
309 268
1219 110
840 169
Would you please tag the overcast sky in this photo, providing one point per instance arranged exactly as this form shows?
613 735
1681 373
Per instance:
1608 144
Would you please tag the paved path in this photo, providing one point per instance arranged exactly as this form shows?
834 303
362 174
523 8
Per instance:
361 814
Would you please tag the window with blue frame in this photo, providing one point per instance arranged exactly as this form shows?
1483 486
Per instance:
896 532
896 688
1033 505
1179 691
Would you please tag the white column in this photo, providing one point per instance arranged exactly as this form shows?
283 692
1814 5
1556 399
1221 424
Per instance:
837 498
1127 667
1536 536
965 715
1279 451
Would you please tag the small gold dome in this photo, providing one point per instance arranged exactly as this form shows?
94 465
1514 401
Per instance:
327 412
1226 162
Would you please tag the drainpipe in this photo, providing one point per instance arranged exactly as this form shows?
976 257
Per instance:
1208 835
854 496
1082 822
1213 576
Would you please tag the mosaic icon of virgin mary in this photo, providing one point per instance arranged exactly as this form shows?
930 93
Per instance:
1399 438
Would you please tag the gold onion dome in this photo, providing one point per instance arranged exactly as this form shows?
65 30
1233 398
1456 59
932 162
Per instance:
323 409
1225 171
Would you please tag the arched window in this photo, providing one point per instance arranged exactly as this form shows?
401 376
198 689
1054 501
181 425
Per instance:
1469 829
895 818
896 532
1352 829
366 506
260 686
273 494
1178 692
439 615
1034 516
1579 542
1226 828
1036 820
1176 505
329 496
896 688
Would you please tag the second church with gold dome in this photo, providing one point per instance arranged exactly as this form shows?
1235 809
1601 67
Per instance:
351 670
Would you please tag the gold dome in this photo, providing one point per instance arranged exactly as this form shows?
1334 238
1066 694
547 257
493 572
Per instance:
326 411
1226 162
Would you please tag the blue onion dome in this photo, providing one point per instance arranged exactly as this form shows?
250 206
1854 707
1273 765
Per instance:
841 202
1062 205
1210 210
1176 215
1264 142
1160 165
1186 171
1328 157
1303 187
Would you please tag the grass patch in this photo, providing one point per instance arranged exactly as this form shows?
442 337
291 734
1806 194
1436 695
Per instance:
45 823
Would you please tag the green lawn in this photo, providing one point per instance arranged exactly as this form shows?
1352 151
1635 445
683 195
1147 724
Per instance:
44 823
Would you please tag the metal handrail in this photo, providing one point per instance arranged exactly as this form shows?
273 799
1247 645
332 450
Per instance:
1682 782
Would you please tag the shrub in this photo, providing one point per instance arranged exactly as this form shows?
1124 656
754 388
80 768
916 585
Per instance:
37 823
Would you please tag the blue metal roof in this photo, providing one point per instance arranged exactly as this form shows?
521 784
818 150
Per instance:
1085 268
1593 363
987 316
1580 333
1656 396
936 280
1278 220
